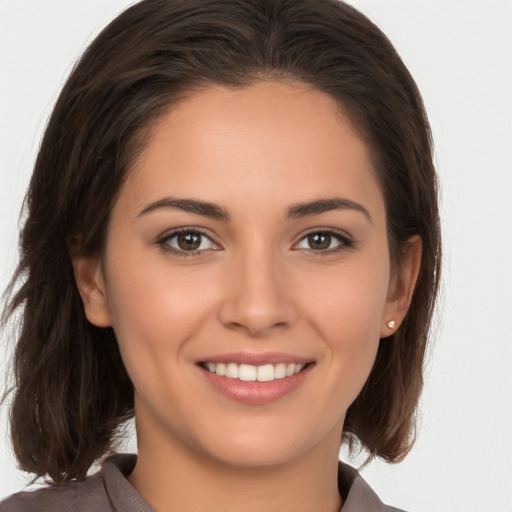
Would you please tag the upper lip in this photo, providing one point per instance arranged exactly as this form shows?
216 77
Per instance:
255 359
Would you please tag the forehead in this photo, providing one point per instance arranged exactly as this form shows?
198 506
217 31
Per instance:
281 141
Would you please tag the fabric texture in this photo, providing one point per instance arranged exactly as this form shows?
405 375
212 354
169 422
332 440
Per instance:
110 491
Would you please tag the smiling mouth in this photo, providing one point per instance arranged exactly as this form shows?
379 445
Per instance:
251 373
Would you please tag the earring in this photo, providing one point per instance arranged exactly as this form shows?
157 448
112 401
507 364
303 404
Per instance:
391 324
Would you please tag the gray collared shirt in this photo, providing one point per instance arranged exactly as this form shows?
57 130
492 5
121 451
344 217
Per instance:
110 491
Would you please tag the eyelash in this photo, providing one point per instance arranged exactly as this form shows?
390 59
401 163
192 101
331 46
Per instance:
345 241
163 242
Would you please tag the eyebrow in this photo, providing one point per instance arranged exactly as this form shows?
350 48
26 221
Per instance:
296 211
325 205
188 205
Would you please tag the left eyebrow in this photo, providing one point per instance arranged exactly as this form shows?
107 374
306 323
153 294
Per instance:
325 205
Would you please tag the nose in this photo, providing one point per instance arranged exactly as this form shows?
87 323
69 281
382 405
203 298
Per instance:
257 298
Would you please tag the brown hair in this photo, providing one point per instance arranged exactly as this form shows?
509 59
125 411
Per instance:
71 389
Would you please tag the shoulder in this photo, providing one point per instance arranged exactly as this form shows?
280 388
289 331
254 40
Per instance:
106 491
357 494
85 496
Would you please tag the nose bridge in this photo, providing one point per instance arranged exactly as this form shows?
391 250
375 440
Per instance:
256 299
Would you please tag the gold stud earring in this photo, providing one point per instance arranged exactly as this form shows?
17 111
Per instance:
391 324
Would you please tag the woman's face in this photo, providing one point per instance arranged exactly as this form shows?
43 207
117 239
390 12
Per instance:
249 238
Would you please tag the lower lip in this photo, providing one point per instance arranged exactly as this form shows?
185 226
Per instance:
256 393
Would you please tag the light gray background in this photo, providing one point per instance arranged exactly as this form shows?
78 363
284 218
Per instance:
460 52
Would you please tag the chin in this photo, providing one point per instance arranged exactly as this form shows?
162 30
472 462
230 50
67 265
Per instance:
265 445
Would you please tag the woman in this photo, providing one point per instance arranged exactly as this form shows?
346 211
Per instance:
232 235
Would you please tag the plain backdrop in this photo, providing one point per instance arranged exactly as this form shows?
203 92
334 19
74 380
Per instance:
460 52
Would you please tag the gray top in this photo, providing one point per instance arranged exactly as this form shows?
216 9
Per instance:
110 491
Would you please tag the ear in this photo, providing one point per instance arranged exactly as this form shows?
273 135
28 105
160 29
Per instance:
401 287
91 286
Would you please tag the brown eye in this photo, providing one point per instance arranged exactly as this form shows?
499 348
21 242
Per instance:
189 241
325 242
319 241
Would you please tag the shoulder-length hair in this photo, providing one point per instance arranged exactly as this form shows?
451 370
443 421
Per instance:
71 390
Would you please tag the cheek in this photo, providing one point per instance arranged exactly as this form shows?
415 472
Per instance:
346 311
346 304
155 311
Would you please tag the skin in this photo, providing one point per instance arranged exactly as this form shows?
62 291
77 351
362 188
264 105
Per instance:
255 286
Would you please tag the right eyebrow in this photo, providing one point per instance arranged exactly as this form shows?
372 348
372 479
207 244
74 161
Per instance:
188 205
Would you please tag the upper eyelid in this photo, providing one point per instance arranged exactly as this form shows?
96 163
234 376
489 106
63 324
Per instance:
345 239
330 231
170 234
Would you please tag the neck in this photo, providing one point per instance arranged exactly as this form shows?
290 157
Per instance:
174 477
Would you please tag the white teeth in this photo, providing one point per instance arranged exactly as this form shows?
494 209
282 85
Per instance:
232 371
265 373
247 372
280 371
250 373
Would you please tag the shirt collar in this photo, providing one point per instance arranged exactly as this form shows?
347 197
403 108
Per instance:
357 495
